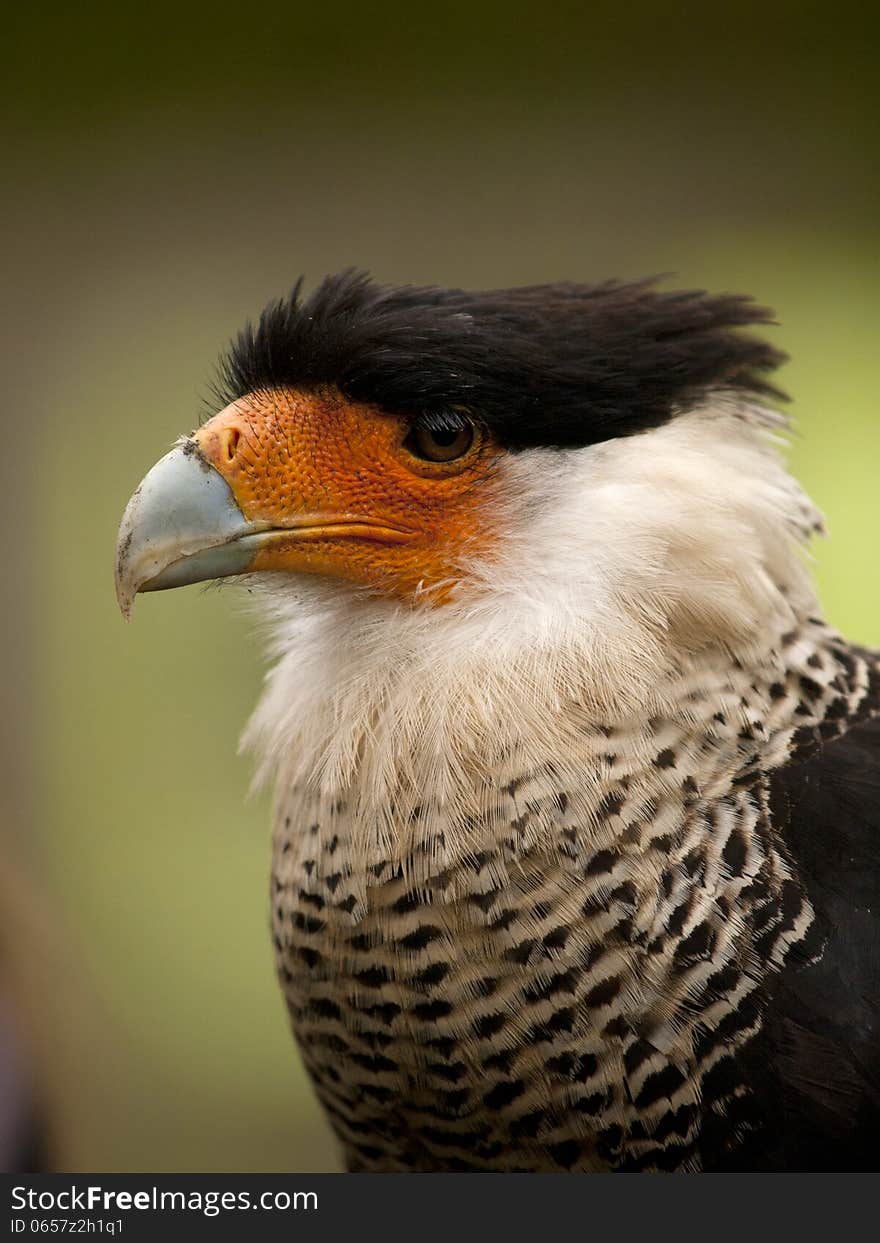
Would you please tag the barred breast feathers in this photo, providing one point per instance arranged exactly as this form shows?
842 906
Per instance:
640 584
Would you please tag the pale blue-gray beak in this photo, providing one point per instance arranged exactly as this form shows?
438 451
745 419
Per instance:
181 526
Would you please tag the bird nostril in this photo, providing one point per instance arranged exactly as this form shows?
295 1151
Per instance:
233 436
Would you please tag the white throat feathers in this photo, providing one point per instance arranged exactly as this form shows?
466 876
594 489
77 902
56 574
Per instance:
629 573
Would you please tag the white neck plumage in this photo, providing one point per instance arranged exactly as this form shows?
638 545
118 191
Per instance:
630 572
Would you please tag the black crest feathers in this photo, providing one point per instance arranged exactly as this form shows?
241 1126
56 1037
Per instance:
562 365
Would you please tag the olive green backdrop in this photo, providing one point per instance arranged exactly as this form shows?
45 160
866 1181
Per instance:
167 172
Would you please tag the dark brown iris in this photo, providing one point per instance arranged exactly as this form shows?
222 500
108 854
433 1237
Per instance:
440 444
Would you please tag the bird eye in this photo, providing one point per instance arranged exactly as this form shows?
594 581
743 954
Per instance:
441 443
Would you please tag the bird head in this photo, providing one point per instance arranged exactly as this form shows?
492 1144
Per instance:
385 436
291 481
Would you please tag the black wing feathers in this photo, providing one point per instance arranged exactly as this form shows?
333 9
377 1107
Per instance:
815 1066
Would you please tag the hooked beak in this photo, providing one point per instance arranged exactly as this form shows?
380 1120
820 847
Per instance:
183 525
248 493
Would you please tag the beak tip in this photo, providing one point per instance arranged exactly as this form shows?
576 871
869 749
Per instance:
126 590
182 525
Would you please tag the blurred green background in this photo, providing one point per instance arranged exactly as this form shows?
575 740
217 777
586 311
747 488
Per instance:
168 171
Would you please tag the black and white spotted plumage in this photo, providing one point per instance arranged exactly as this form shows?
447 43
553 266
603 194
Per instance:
699 994
646 941
577 838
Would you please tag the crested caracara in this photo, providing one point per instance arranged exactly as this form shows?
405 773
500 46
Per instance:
577 820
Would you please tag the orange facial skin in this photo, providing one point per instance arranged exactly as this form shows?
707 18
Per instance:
345 496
